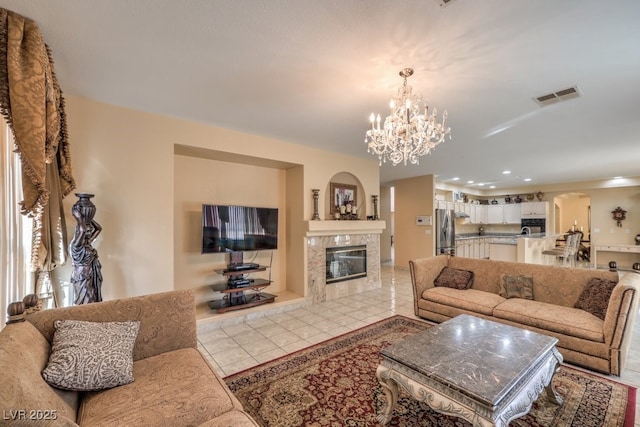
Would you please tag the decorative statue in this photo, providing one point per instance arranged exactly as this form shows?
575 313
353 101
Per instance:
86 276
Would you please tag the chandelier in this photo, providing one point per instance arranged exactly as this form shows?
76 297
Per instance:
408 131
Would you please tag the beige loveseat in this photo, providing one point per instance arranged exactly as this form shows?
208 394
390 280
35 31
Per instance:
173 383
584 339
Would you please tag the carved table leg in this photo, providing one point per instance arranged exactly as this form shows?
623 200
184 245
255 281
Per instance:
390 388
550 392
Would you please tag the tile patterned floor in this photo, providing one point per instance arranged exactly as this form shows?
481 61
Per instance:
235 345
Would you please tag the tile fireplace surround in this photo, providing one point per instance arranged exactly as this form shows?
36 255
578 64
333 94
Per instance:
329 234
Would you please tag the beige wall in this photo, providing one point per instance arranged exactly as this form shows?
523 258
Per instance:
413 197
127 159
385 215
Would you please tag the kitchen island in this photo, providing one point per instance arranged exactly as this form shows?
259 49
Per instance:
507 247
530 248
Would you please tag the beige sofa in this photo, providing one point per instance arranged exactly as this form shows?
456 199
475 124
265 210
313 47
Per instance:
584 339
173 383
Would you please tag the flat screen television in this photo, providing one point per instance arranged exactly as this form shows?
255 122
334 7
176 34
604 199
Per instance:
238 228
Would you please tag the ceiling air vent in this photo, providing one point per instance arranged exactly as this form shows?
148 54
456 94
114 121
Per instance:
443 3
561 95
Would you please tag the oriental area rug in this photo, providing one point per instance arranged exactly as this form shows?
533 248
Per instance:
334 384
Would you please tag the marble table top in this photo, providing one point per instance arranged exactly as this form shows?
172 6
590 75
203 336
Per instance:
480 358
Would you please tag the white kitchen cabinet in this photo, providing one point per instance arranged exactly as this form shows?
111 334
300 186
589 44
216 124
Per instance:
462 248
484 248
481 214
441 204
477 213
533 209
495 214
466 207
473 248
513 214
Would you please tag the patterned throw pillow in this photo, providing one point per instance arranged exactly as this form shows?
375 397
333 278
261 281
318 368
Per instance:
454 278
516 286
91 355
595 297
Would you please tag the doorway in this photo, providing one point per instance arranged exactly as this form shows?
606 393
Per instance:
572 213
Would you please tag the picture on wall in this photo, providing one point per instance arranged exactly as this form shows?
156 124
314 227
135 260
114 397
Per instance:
343 195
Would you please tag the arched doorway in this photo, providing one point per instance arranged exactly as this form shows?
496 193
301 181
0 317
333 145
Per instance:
572 212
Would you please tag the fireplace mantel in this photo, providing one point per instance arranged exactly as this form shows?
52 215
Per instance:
325 228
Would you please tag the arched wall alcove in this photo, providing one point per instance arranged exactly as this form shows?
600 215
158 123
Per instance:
349 180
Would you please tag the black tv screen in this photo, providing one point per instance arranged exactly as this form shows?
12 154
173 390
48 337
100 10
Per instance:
238 228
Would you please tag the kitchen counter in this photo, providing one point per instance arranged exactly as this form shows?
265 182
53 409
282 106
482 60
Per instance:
500 237
507 246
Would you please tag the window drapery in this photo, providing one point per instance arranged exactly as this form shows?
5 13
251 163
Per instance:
16 278
32 104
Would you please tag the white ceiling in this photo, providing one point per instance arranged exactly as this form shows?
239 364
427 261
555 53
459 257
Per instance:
311 72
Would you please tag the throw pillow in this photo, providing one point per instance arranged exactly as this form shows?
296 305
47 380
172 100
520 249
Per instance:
454 278
595 297
516 286
91 355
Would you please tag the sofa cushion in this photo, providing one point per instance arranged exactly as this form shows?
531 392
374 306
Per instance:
454 278
470 300
564 320
177 388
516 286
91 355
23 354
595 297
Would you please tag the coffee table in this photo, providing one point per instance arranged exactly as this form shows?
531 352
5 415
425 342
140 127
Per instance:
482 371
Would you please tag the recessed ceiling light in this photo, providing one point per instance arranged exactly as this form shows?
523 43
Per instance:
469 182
527 179
481 184
506 172
492 186
455 178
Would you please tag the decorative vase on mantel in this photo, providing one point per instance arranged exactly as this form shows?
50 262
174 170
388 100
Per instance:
86 276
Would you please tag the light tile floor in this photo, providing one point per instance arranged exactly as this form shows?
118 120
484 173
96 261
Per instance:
234 346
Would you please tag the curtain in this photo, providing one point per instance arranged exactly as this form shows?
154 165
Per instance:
32 104
16 278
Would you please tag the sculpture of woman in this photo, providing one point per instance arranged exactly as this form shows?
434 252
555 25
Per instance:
86 276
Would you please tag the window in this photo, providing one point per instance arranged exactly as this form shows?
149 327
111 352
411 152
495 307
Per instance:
16 278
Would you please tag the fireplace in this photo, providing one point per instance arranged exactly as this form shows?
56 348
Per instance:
346 263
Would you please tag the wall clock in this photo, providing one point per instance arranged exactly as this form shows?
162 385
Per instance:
619 215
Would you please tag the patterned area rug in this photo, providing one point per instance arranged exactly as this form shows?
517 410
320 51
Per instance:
334 384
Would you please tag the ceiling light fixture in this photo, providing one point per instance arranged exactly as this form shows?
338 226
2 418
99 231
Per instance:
408 132
506 172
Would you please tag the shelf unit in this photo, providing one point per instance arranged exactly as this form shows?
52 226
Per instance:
237 298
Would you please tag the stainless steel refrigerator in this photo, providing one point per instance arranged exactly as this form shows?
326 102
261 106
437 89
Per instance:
445 232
